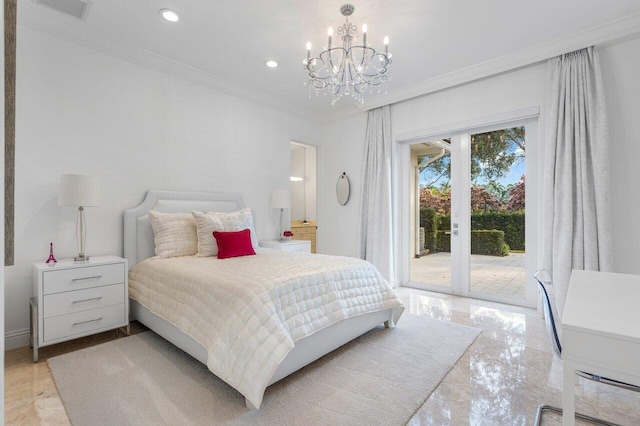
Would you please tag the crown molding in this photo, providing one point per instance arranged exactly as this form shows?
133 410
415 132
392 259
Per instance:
77 32
617 30
343 114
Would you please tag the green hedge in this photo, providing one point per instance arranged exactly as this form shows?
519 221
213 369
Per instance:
489 241
510 223
443 242
486 241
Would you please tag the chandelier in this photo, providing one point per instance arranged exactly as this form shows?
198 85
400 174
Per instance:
350 69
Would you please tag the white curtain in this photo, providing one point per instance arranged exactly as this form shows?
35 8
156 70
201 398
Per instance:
376 236
576 181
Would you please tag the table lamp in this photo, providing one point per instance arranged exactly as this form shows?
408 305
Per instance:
79 191
280 199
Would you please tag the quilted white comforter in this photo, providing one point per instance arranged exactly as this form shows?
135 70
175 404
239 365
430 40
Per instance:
249 311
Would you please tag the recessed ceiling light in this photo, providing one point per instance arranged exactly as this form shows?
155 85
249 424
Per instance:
271 63
169 15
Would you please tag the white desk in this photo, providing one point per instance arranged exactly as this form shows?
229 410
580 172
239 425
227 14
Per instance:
600 331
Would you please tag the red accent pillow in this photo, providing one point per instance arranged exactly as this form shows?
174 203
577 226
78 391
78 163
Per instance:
234 244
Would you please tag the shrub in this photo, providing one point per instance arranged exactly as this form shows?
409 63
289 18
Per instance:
428 219
443 241
511 223
488 241
429 222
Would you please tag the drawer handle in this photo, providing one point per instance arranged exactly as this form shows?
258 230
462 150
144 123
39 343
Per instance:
87 278
87 300
84 322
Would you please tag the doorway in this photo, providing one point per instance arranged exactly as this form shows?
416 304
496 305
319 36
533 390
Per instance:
468 213
303 188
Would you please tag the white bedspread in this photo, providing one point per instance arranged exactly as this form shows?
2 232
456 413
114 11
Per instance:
249 311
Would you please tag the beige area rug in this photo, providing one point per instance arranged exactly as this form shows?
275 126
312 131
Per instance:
381 378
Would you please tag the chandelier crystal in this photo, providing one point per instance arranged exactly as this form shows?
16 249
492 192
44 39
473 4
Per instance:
351 69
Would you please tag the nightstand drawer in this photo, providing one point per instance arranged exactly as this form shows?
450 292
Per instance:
302 247
84 322
81 278
309 230
82 300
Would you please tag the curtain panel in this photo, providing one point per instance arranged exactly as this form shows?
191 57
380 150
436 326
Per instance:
376 235
576 178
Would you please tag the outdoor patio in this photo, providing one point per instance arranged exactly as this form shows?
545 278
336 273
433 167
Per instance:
489 274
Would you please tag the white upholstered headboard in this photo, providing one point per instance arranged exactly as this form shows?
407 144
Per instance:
138 234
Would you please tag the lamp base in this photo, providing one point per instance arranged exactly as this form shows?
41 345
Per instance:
81 258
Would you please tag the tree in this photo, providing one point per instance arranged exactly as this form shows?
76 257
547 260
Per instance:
483 201
439 200
516 197
438 173
492 155
499 191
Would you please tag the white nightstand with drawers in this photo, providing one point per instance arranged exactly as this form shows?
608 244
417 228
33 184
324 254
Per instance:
299 246
72 300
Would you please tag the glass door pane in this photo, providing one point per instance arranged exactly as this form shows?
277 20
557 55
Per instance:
431 242
497 196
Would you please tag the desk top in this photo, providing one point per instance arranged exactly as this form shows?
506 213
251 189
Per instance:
603 303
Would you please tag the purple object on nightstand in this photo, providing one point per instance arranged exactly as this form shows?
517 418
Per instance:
51 258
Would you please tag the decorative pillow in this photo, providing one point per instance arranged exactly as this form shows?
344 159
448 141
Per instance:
208 222
175 234
234 244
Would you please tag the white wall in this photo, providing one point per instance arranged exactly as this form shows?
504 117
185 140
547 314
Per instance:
342 151
620 68
82 111
503 93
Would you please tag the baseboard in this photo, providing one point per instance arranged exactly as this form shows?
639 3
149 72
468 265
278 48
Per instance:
16 339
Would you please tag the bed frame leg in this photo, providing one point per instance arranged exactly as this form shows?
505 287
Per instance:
390 323
249 405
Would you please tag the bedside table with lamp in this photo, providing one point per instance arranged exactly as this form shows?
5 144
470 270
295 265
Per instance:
81 296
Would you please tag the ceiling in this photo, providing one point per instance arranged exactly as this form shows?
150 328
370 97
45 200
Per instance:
428 38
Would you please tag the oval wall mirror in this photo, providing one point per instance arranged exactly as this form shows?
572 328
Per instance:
342 189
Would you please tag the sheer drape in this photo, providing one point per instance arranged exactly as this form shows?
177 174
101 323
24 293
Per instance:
376 243
576 182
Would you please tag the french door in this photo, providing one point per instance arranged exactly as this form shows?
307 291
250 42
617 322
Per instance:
473 223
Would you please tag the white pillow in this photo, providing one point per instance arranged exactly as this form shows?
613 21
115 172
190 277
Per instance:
208 222
175 234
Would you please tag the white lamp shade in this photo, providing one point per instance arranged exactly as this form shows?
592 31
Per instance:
280 199
79 190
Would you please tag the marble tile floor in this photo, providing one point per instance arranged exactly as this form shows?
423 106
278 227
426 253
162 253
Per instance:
508 371
500 380
31 396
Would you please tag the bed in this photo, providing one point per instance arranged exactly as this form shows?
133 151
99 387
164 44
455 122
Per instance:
251 320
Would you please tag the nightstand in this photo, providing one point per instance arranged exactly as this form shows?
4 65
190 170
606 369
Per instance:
299 246
72 300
